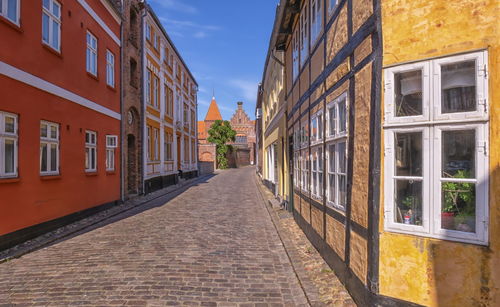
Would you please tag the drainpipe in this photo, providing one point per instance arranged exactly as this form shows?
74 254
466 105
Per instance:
122 108
143 107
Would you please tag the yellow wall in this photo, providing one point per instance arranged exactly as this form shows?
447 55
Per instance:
428 271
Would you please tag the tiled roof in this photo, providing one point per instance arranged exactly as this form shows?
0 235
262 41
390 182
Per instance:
213 111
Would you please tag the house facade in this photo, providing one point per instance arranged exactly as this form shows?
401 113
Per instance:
245 137
60 117
439 243
169 108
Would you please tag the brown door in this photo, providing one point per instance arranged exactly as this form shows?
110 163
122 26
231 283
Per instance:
178 152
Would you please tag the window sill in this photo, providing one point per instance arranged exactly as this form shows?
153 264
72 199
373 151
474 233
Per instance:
112 88
52 50
50 177
91 173
91 75
110 172
412 233
12 24
10 180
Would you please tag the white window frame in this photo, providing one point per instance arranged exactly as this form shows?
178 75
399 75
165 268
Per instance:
156 145
316 19
149 77
148 32
110 68
317 172
305 186
149 142
91 54
52 19
332 4
91 146
111 145
317 119
168 150
4 8
295 55
432 129
156 91
335 139
11 136
48 141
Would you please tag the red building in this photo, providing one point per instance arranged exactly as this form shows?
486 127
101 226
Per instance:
59 113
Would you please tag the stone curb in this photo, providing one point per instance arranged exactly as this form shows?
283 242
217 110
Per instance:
75 227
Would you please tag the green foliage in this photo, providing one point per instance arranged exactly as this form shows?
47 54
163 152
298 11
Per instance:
220 134
459 197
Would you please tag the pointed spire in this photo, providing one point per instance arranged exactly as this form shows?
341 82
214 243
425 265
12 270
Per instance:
213 111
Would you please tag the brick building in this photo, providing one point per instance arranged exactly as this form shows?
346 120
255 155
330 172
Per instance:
60 115
206 150
245 134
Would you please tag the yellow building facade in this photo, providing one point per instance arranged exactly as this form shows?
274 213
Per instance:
440 196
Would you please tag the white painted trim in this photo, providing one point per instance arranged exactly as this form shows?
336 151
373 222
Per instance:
101 22
27 78
111 11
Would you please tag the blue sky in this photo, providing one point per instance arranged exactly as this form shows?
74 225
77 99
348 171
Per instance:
224 43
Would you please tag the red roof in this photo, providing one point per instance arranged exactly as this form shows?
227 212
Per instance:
213 111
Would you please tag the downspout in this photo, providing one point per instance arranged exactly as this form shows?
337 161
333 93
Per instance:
143 108
122 122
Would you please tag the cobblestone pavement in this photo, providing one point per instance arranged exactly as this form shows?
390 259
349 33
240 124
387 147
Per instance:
213 245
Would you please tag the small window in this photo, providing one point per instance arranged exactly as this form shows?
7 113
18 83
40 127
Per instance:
49 148
316 19
110 68
149 86
317 172
168 143
304 35
91 54
148 32
111 145
332 4
8 145
51 24
317 127
90 151
337 117
156 145
10 9
156 92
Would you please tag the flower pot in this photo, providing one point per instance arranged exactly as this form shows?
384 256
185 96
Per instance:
448 220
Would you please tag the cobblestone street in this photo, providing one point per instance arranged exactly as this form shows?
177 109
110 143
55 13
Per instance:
213 245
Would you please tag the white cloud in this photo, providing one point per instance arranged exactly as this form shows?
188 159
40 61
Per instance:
176 5
200 34
185 26
247 88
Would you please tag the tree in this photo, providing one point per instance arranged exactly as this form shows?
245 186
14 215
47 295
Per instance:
219 134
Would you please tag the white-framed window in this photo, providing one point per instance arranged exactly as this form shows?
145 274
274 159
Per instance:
156 145
304 35
168 143
436 162
336 151
90 151
148 32
157 42
10 9
150 143
51 23
49 148
149 85
111 145
317 172
91 54
305 171
156 91
8 145
110 68
316 19
317 127
296 168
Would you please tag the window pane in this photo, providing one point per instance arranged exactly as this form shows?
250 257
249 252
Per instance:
458 154
1 6
56 10
458 84
46 4
408 93
92 158
10 124
458 210
342 158
43 130
332 158
53 132
53 157
342 190
408 154
12 10
43 157
9 156
45 28
331 190
342 116
55 35
408 202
